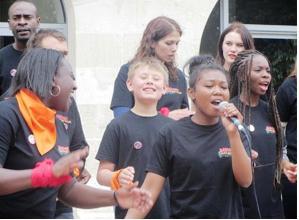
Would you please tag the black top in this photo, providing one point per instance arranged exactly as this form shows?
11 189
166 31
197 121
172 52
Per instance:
287 106
19 152
197 160
128 141
264 142
175 97
9 59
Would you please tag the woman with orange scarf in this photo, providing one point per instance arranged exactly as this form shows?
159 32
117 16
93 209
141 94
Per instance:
33 171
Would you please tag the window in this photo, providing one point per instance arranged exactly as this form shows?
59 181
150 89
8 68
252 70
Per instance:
51 12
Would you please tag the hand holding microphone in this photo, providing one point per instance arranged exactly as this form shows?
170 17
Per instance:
231 115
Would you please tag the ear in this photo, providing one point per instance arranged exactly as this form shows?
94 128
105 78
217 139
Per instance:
153 45
129 85
38 20
191 94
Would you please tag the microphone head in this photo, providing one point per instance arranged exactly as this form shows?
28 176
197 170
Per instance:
222 105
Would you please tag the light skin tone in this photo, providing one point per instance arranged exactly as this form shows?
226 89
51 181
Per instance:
211 88
61 46
232 45
165 50
23 22
148 86
260 80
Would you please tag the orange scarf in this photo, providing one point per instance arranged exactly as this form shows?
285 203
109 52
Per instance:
39 118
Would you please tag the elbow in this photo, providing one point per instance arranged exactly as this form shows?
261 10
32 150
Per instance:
245 182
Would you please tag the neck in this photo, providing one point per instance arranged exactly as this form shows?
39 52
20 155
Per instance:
226 66
200 119
146 110
19 45
254 99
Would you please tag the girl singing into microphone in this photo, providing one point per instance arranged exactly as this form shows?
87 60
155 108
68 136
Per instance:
251 76
203 155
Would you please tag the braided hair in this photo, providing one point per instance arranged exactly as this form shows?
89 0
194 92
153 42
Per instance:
240 72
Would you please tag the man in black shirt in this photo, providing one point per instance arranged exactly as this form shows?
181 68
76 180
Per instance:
23 22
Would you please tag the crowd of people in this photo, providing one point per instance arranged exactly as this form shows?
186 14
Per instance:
230 153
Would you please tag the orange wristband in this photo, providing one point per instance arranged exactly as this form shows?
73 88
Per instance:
115 185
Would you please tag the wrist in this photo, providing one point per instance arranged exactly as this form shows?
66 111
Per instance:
115 198
42 175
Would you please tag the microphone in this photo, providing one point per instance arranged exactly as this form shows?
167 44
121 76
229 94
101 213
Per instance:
234 120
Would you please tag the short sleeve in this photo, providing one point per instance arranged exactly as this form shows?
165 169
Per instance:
122 97
109 146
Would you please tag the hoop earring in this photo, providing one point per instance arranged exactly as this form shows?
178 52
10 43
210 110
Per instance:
55 91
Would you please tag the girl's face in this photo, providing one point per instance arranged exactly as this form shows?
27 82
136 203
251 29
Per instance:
210 89
231 46
147 84
65 80
165 48
260 75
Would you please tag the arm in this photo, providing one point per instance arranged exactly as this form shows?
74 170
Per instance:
153 183
12 181
83 196
241 163
106 172
118 111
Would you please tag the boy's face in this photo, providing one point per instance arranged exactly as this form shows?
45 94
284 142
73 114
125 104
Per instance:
146 84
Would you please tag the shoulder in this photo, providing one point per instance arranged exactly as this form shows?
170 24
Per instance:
6 49
9 110
175 126
181 74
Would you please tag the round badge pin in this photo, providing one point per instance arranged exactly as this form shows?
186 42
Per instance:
13 72
31 139
251 128
137 145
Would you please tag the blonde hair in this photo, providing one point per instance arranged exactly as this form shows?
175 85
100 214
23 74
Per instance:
150 62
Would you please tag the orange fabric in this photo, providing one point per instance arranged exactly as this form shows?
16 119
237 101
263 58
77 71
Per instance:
115 185
39 118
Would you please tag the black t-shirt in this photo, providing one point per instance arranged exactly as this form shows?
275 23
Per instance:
18 152
128 141
175 97
287 106
9 60
197 160
264 142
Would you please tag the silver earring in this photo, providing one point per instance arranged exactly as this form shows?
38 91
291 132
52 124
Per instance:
55 91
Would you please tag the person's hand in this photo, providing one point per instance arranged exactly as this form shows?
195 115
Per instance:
180 113
133 197
84 176
126 176
66 164
230 110
290 170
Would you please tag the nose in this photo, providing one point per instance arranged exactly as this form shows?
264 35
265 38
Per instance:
217 90
22 21
174 48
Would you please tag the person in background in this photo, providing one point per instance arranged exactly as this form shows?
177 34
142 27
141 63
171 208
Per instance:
23 22
160 39
234 39
53 39
286 98
203 155
128 140
252 73
33 167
